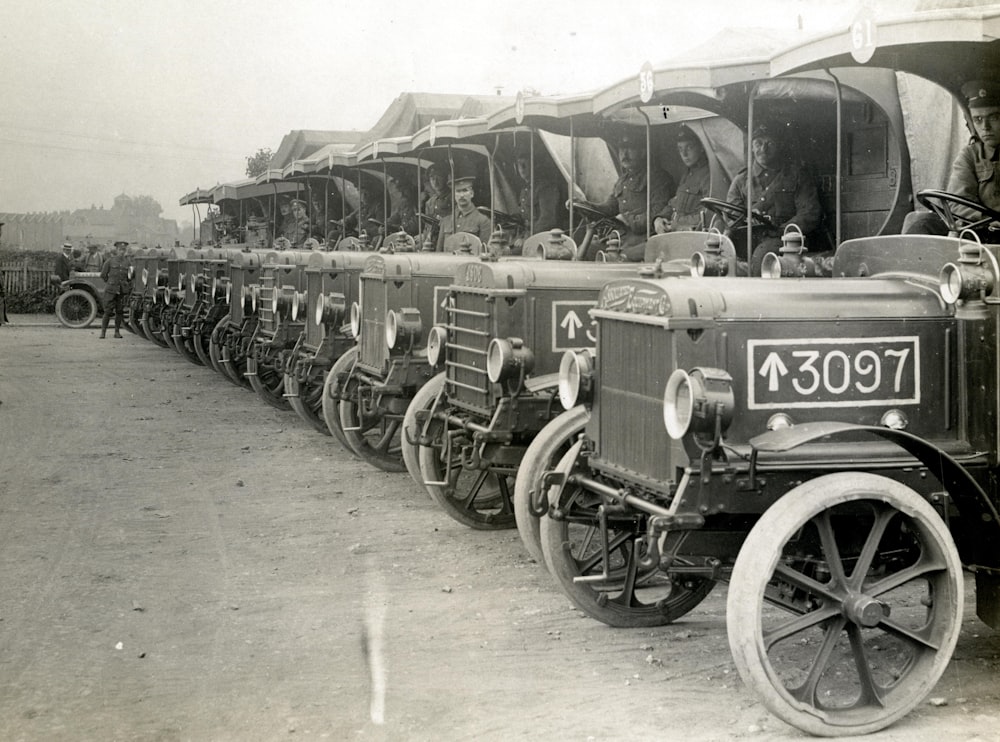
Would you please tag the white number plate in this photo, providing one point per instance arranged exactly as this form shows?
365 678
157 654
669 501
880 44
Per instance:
833 372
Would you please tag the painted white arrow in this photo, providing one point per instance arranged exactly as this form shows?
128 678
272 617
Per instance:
773 369
571 323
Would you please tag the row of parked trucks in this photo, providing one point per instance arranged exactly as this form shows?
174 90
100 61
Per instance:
825 442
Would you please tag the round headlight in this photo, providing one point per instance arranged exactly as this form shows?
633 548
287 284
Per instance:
678 404
193 283
391 328
274 300
145 276
403 327
576 371
318 310
770 266
965 281
296 303
698 264
437 341
356 320
506 358
701 401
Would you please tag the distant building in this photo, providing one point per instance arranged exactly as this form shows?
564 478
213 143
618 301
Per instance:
135 219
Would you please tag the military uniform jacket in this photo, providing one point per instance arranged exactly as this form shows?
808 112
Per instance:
403 217
786 194
472 221
684 209
115 275
974 176
548 211
628 198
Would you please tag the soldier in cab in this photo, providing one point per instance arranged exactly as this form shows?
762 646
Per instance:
974 174
783 193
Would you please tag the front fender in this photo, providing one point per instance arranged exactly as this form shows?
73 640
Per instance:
970 498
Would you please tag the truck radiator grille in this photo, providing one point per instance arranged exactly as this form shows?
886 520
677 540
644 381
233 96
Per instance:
373 353
634 361
469 322
268 320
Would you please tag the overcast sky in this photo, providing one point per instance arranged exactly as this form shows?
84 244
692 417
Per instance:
118 96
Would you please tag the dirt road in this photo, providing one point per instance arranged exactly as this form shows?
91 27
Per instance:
179 561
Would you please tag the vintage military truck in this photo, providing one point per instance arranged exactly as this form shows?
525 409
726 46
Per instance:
505 326
164 292
822 451
231 337
205 275
374 382
281 319
331 288
145 268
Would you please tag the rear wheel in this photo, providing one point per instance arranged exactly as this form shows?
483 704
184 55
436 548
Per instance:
599 559
845 604
76 308
544 453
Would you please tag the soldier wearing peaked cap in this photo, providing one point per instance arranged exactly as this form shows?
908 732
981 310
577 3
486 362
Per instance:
783 192
627 201
684 209
974 173
116 287
465 217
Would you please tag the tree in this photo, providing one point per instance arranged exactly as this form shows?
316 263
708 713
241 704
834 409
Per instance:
259 162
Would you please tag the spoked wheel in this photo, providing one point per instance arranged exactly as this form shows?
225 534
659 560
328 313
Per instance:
76 309
422 400
134 315
845 604
375 438
614 586
152 324
185 345
308 401
214 347
270 386
331 405
478 498
200 342
545 451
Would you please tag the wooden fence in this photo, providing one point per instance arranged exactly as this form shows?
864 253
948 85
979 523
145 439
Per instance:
25 275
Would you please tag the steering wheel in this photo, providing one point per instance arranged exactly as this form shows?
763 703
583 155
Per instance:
941 203
735 215
507 222
603 224
432 220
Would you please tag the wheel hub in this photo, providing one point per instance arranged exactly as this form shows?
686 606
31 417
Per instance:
864 610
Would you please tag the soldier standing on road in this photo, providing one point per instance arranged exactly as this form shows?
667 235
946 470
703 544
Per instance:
116 288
